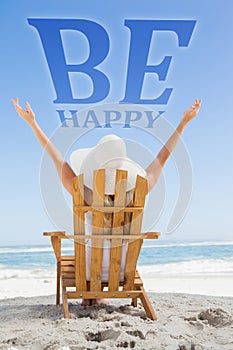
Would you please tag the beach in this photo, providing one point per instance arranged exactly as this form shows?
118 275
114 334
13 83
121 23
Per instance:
185 322
193 300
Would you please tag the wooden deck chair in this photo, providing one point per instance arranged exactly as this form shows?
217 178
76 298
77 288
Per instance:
71 270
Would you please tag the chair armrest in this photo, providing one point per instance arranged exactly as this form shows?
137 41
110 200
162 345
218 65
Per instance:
82 237
55 238
151 235
60 234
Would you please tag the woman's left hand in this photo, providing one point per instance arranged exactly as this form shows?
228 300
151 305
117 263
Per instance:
192 111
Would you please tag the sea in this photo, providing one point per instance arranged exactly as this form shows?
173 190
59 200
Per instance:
156 258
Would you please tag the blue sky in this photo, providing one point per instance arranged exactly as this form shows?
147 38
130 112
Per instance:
203 69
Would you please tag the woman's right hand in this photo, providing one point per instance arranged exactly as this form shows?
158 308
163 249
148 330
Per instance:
26 114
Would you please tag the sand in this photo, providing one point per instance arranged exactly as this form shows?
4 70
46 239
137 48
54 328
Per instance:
13 284
194 313
185 322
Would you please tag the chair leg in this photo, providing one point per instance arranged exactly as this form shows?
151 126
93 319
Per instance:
134 302
147 305
58 282
65 303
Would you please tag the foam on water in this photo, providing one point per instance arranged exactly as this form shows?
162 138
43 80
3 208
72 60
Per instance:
28 274
12 250
209 257
158 245
192 267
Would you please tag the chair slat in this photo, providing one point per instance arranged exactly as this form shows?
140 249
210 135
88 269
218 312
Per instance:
79 228
97 229
135 229
117 229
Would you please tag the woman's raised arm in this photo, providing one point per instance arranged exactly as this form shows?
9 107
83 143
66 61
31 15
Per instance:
155 168
66 174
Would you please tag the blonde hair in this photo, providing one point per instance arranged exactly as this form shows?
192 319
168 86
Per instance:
108 217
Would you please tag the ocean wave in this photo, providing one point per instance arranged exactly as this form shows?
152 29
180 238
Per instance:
27 274
192 267
147 245
13 250
187 268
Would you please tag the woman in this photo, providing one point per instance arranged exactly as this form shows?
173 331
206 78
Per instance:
110 153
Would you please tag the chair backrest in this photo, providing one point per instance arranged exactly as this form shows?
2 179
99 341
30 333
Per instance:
119 210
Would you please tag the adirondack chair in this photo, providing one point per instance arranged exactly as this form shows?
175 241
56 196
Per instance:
71 270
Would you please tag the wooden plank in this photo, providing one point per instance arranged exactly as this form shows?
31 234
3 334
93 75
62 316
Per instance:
102 295
65 258
149 235
97 229
58 283
147 305
68 262
68 282
56 243
110 209
65 265
55 233
137 279
135 228
117 229
68 273
68 269
138 282
65 302
79 228
68 279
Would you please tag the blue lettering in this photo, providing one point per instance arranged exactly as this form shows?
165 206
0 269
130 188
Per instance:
109 119
152 119
92 118
49 31
73 118
129 119
141 34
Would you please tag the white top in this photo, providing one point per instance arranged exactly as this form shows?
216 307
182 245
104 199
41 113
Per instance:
106 252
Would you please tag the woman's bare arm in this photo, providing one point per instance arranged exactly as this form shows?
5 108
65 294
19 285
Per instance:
155 168
64 171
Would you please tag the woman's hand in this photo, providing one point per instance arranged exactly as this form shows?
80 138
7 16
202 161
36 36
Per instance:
25 114
192 111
